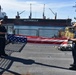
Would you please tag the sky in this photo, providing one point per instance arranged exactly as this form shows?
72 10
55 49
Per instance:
63 8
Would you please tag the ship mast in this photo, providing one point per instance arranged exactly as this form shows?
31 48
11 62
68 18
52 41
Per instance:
0 8
30 12
44 17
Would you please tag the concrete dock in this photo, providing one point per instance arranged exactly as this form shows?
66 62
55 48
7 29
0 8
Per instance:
35 59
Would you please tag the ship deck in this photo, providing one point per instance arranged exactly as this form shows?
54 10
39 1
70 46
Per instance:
35 59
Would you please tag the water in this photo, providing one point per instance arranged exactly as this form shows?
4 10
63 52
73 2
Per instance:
44 31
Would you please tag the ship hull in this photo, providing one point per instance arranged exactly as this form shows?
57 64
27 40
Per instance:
39 22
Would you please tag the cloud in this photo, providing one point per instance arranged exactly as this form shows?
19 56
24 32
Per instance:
25 5
16 5
60 4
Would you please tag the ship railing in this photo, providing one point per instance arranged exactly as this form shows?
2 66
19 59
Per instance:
9 27
38 32
32 32
43 32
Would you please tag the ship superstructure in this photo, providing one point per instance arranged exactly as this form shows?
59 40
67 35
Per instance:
2 14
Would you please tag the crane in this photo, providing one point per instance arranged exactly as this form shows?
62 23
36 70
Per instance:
53 13
18 14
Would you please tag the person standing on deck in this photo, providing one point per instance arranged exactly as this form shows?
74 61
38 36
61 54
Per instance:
73 66
3 31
